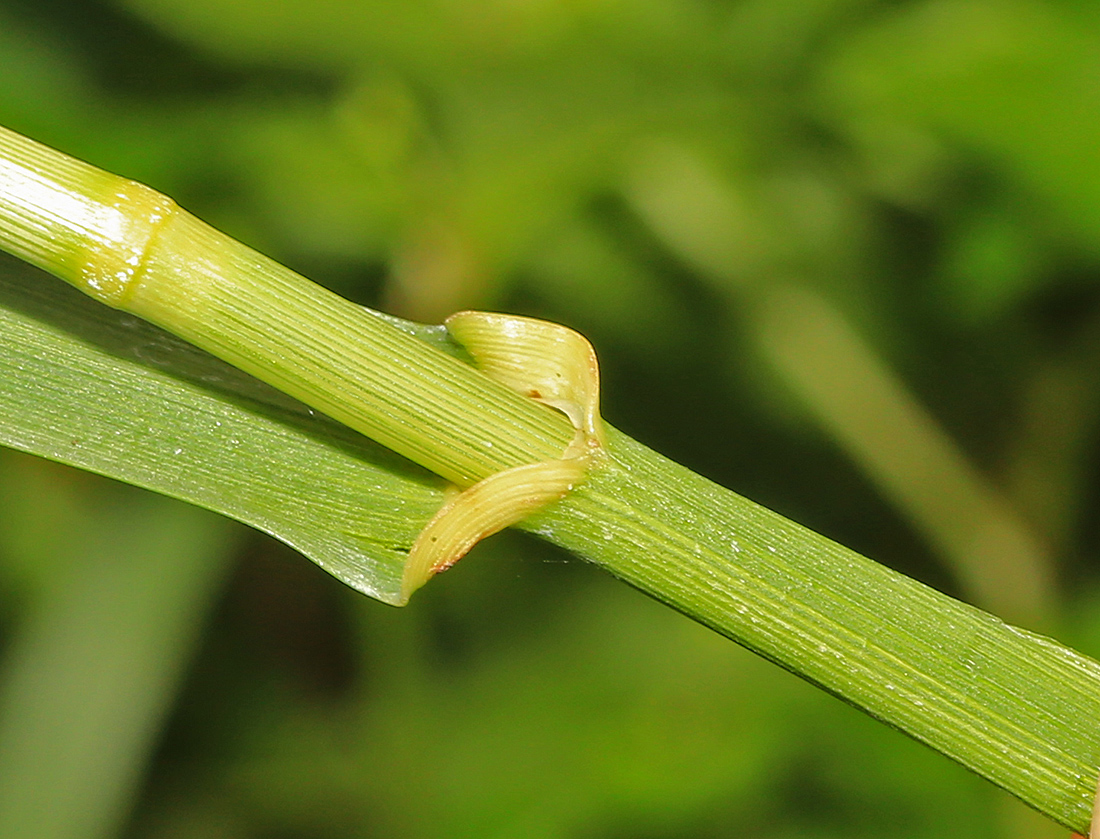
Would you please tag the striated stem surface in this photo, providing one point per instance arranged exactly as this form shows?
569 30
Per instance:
1017 708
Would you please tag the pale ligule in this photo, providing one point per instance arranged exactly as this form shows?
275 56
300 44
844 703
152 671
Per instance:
546 362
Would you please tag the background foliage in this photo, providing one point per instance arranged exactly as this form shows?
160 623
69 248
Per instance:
652 173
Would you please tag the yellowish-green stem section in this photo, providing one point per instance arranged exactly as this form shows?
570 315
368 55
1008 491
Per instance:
549 363
135 249
1015 707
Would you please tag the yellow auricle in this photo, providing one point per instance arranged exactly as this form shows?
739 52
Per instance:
544 361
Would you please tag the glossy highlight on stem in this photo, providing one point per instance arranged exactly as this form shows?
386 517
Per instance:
134 249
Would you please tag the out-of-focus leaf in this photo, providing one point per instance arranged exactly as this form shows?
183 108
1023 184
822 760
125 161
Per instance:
94 668
1013 80
95 388
991 261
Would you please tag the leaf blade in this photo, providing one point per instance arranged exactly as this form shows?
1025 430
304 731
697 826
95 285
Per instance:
105 391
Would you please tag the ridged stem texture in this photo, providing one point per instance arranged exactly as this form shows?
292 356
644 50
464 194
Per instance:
1015 707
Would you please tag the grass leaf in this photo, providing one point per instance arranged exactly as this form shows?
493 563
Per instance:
105 391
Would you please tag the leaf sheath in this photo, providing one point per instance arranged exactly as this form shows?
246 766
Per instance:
1019 709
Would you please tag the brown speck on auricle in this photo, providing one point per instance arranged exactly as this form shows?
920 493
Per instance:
540 360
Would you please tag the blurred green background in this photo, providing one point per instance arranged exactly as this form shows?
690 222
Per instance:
840 256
